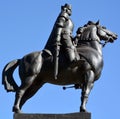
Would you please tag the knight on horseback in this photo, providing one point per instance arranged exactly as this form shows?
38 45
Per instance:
36 68
61 35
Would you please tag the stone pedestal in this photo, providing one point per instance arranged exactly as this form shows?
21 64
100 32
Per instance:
77 115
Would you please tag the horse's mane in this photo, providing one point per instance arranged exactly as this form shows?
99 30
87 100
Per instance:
88 32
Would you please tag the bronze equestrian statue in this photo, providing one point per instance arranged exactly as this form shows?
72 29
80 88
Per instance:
37 68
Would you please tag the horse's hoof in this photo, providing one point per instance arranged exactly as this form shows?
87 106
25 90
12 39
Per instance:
82 109
16 110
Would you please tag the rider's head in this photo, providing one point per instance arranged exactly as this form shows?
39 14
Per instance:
67 8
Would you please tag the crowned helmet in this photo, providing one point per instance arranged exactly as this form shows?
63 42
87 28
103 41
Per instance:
67 6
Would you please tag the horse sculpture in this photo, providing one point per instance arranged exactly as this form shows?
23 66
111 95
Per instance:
37 68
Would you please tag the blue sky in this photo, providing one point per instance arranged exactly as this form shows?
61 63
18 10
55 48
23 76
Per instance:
25 26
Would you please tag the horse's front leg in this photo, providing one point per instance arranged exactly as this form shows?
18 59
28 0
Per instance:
88 84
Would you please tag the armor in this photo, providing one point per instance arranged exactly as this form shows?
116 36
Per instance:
64 29
62 35
66 25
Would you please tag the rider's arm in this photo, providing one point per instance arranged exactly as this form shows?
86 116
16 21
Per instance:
63 17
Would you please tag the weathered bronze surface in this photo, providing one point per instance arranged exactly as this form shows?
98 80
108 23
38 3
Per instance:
65 60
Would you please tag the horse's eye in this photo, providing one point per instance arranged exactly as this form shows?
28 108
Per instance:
103 27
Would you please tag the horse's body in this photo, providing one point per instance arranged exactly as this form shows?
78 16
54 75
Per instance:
37 68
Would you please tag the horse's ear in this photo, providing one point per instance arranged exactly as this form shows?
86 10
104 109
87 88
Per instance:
98 22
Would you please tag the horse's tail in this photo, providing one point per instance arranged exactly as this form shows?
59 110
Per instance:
7 76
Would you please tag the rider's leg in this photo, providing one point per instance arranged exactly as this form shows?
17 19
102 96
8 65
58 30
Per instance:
70 49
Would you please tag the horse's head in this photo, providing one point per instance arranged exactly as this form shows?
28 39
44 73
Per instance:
105 34
94 31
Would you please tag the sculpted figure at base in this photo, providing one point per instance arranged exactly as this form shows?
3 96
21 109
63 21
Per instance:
38 68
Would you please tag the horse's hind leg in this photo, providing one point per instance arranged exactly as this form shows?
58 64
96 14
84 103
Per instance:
88 84
26 83
31 91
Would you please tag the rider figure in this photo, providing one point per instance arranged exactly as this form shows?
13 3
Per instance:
65 26
62 35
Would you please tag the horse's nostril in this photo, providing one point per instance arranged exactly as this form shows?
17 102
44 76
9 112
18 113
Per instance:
111 39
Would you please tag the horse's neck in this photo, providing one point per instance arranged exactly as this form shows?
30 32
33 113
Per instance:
97 46
90 38
93 44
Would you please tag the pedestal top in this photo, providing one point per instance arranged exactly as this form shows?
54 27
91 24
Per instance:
77 115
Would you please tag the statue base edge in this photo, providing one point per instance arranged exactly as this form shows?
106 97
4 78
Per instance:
76 115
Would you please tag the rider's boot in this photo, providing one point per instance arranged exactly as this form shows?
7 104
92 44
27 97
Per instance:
74 58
